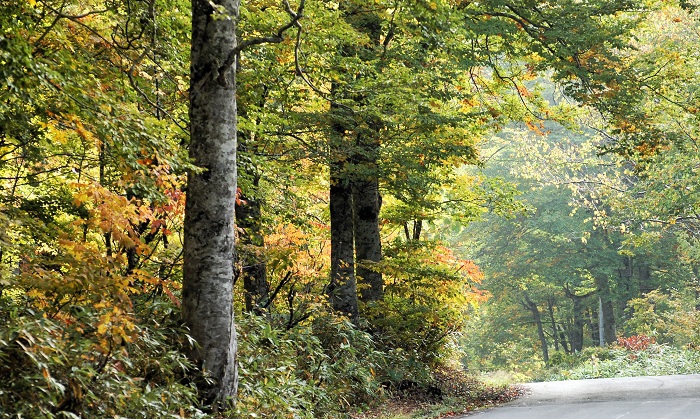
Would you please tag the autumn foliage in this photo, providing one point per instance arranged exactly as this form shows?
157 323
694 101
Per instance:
635 342
401 102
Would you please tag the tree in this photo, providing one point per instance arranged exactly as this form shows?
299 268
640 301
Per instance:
209 236
397 98
207 293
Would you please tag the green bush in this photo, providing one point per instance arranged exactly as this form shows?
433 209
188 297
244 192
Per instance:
319 368
617 361
58 369
427 297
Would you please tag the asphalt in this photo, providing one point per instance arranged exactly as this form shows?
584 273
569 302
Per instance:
672 397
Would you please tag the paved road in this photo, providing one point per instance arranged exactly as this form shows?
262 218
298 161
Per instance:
675 396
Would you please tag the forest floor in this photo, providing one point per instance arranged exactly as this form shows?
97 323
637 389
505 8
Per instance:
423 404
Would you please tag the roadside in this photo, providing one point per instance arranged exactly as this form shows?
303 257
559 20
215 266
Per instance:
670 396
453 393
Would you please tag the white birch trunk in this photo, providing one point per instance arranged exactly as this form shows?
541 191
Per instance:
207 295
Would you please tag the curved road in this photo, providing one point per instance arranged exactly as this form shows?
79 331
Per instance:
674 396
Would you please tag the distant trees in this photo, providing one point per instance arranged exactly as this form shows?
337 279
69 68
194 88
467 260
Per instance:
627 183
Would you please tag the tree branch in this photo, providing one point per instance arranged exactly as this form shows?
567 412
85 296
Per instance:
275 38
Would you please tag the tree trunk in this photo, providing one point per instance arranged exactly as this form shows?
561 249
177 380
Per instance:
353 165
579 320
251 241
532 307
607 315
342 290
625 284
368 246
553 323
207 292
645 285
414 233
417 229
564 343
592 327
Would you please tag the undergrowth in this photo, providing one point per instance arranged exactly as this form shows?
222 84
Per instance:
451 391
629 357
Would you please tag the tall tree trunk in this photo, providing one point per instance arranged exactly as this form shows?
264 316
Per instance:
532 307
553 323
207 293
368 245
607 315
354 194
251 241
592 327
564 343
625 284
579 320
342 290
645 285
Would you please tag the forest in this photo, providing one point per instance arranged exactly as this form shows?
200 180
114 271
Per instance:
342 209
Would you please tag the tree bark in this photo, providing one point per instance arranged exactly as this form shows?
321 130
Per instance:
645 285
593 327
532 307
342 290
207 294
579 320
553 323
564 343
368 245
253 267
607 315
354 192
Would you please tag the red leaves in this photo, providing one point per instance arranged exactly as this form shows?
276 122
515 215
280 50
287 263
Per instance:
636 342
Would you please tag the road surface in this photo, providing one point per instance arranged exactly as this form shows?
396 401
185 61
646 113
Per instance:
672 397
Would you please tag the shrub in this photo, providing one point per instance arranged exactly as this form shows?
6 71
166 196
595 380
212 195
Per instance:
620 361
636 342
428 294
320 368
58 369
